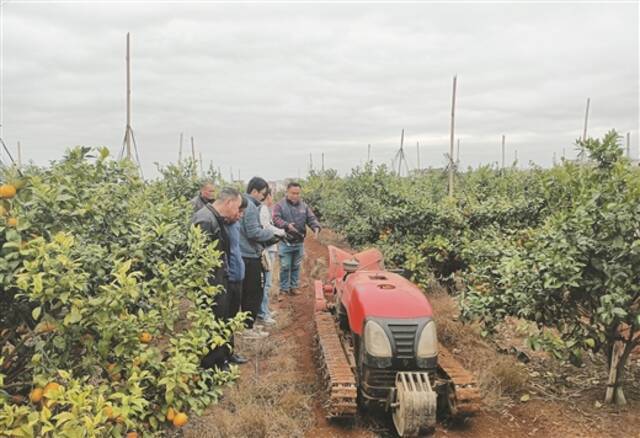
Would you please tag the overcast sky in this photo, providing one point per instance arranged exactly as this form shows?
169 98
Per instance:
261 86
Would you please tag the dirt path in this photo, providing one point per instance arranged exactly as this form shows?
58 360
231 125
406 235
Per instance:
279 392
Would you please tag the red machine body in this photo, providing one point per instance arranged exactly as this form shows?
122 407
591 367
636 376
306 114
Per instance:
371 291
414 377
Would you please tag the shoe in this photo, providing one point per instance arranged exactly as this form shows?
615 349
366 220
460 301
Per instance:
237 359
224 367
295 291
268 321
274 313
254 333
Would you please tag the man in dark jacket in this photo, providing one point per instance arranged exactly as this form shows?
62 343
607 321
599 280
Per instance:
211 219
253 239
293 215
204 197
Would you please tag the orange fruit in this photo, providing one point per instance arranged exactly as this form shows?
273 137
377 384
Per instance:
49 388
145 337
108 411
180 419
132 435
12 222
171 414
7 191
36 395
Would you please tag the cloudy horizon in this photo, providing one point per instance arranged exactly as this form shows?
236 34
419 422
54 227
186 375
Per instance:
262 86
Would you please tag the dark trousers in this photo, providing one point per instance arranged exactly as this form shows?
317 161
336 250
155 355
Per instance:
219 355
252 290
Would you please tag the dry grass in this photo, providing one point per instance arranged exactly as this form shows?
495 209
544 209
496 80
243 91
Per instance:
276 397
499 377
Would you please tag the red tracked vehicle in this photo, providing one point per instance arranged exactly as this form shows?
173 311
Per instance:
377 344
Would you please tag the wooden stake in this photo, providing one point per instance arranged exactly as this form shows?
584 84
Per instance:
503 151
458 153
310 162
180 150
453 112
20 154
628 146
193 155
401 156
586 120
369 153
418 153
201 166
323 161
128 129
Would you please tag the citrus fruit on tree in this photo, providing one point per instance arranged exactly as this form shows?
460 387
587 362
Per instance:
36 395
7 191
180 419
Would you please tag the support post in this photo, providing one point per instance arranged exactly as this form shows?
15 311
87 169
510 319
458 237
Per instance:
128 129
453 112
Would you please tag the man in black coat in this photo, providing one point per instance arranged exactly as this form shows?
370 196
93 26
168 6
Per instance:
211 219
205 196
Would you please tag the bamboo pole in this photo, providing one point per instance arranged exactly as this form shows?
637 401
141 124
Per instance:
401 153
369 152
586 120
128 129
628 145
503 151
418 153
453 112
193 156
180 150
20 155
458 154
323 161
201 165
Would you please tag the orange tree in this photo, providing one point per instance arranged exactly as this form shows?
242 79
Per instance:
579 270
107 303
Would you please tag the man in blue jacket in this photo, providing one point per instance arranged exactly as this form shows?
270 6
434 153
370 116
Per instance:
236 274
253 239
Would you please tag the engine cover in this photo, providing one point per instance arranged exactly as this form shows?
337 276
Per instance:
381 294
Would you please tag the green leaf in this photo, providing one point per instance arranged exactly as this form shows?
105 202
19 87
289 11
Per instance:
35 313
37 283
73 316
590 343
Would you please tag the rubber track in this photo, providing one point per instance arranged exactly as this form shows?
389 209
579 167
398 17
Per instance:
338 375
467 394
